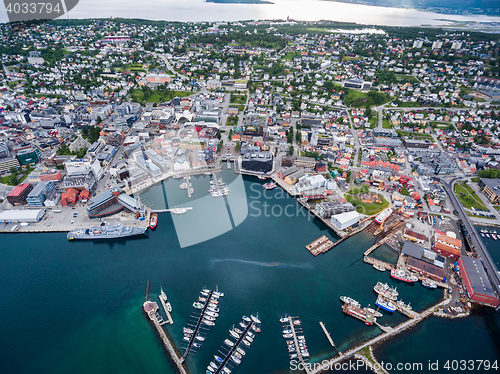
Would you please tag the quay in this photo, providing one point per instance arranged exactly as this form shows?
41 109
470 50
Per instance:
320 245
373 261
328 364
405 311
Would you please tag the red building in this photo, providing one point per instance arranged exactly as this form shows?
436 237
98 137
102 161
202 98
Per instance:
54 175
477 282
19 194
70 196
424 268
446 250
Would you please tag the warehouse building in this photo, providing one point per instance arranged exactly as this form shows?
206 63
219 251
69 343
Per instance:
22 215
345 220
476 282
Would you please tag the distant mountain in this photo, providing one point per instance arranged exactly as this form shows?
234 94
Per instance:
490 7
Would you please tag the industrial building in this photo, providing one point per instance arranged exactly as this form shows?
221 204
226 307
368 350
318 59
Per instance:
476 282
345 220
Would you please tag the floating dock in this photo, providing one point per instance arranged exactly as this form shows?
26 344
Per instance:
295 340
320 245
169 317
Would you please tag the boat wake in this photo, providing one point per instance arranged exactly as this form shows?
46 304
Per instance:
264 264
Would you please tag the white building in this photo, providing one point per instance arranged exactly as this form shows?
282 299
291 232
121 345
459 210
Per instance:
345 220
22 215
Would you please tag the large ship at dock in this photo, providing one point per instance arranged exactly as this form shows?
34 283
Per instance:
106 232
382 216
403 276
359 313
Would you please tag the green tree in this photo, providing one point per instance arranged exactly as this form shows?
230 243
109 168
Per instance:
290 150
237 147
365 189
98 119
13 181
13 170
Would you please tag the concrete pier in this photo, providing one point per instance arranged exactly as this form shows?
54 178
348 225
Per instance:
373 261
327 334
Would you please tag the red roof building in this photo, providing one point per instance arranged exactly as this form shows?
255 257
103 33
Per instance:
54 175
476 282
84 195
19 194
70 196
446 250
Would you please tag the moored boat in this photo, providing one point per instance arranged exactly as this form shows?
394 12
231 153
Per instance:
349 300
153 221
378 267
386 291
403 276
269 186
374 312
385 304
428 283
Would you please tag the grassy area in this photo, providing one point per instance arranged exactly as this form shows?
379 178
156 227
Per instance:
232 121
386 124
368 209
134 67
475 179
476 216
468 197
156 96
238 99
21 176
497 207
290 55
405 192
415 135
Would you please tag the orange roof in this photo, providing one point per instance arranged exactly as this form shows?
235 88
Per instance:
447 248
449 240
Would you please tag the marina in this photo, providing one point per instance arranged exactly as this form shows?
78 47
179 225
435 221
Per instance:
217 187
234 352
297 348
200 323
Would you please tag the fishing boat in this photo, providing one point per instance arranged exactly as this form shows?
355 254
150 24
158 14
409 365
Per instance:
407 306
269 186
378 267
402 276
153 221
428 284
374 312
386 291
349 300
385 304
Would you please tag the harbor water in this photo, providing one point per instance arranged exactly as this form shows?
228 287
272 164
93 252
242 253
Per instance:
77 306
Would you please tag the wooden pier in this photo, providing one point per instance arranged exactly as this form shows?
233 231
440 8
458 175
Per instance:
320 245
373 261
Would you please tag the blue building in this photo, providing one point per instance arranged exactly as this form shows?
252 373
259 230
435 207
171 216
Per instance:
38 195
